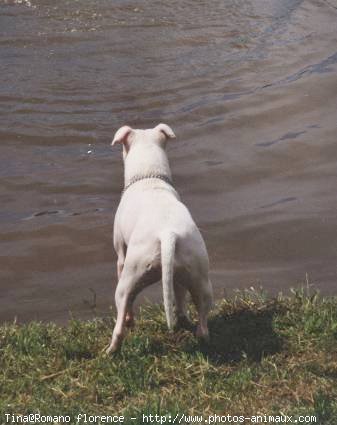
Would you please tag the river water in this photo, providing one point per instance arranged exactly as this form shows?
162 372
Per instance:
248 86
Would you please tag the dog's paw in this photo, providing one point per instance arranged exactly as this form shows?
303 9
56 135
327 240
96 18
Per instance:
113 348
183 322
202 334
110 350
204 339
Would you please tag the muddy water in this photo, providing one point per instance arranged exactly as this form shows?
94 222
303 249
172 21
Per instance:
250 88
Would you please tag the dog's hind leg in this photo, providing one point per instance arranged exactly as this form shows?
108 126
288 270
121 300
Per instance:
134 277
203 299
122 297
120 249
129 319
183 320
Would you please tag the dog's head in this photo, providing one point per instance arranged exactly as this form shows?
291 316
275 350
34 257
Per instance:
130 138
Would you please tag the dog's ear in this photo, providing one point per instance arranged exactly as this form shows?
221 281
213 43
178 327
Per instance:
122 135
166 130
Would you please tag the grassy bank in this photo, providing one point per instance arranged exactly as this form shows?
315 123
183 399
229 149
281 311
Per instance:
265 357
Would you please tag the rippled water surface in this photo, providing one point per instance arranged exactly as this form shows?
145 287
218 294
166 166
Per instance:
249 87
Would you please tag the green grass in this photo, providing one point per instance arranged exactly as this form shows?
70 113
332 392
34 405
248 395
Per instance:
265 356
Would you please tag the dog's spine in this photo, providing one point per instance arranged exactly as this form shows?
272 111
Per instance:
168 243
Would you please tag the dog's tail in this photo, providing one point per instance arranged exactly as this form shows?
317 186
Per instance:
168 243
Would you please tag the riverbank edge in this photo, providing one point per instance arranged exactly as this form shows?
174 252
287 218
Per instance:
266 356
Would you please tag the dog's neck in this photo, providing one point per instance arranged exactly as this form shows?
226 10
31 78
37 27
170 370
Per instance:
146 162
150 176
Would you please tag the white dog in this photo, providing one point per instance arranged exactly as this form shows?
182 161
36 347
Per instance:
155 236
